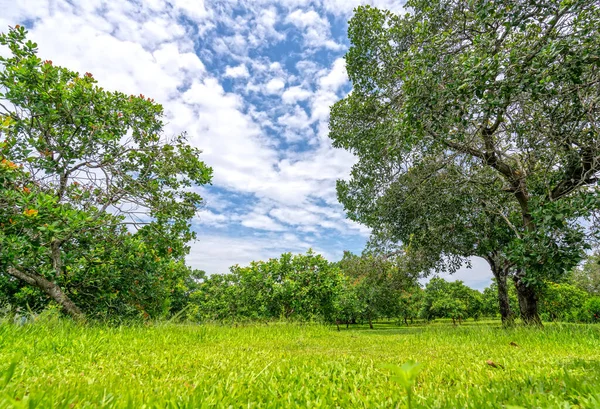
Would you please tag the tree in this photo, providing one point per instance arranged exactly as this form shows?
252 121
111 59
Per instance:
490 305
378 282
510 88
562 302
410 302
347 304
587 277
79 164
302 286
454 300
443 218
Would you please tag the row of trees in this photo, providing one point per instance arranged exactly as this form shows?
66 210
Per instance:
362 289
476 128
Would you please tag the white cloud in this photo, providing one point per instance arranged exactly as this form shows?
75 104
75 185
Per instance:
336 77
261 222
478 276
193 9
215 254
274 86
209 218
315 29
240 71
295 94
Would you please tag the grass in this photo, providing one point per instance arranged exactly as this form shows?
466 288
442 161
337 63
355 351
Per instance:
57 364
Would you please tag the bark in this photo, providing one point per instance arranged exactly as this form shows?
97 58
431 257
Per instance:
370 322
50 288
528 302
500 270
507 315
56 258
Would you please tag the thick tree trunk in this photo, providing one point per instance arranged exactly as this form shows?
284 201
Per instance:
500 271
528 302
506 314
53 290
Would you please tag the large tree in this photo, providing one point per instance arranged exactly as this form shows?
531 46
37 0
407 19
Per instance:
512 87
79 164
444 217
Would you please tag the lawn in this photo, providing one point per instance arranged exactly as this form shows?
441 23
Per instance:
57 364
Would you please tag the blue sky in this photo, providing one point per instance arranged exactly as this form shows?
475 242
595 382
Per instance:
251 82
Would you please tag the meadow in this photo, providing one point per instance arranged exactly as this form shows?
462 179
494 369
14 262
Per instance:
55 363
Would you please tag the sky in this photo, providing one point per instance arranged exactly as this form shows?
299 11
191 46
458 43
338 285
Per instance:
251 83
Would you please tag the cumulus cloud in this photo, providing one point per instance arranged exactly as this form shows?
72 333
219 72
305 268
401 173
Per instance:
239 71
274 86
315 28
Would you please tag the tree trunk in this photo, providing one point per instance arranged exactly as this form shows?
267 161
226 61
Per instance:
506 314
528 302
500 273
53 290
370 322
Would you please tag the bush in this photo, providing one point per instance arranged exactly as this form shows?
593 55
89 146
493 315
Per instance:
591 310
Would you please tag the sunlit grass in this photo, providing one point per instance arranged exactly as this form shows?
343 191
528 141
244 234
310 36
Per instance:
62 365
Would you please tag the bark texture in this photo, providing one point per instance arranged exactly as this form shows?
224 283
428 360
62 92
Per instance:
50 288
528 302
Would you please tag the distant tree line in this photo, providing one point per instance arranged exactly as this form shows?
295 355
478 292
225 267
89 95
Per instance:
365 289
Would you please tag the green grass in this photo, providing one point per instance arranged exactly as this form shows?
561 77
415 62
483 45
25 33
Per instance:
58 364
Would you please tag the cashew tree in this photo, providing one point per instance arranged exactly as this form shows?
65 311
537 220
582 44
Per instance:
80 167
510 88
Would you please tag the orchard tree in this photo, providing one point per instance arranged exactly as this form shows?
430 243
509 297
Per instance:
78 163
378 282
587 276
443 219
443 299
511 88
562 302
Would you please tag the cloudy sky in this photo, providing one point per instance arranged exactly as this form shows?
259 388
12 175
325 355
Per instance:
251 82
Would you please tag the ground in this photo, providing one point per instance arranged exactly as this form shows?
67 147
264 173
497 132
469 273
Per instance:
58 364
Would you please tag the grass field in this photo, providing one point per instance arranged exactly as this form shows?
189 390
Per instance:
56 364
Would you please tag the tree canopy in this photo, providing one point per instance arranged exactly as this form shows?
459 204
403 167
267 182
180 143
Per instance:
91 188
506 92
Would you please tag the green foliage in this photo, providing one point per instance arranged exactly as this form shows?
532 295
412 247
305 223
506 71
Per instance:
303 287
562 302
494 101
55 364
591 310
443 299
406 376
489 301
378 283
587 277
79 164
